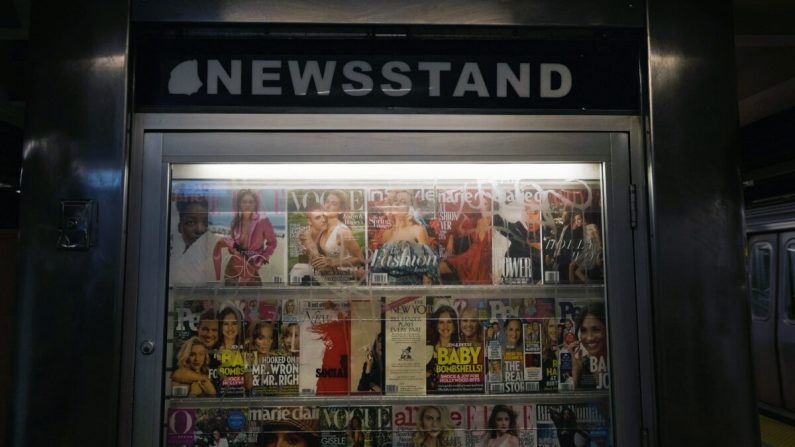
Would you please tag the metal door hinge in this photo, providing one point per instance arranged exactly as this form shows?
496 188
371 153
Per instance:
633 206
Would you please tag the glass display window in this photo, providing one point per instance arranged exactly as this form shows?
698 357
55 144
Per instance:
387 304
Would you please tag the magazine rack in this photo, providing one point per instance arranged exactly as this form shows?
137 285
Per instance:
416 287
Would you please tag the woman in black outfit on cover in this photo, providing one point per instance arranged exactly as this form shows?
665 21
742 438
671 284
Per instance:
372 371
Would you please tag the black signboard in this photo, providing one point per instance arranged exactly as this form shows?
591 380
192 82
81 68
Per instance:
595 75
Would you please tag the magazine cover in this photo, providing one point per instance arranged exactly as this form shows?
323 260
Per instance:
190 242
194 371
541 312
231 353
402 236
271 364
576 424
367 346
247 223
454 345
517 233
405 346
280 426
356 426
583 362
500 425
508 359
326 234
572 225
465 231
205 427
325 344
417 425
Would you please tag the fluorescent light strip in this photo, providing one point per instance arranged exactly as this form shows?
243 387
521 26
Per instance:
388 171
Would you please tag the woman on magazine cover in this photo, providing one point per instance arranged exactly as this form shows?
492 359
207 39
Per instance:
587 264
442 331
472 265
337 247
434 428
590 360
502 428
407 236
568 245
303 272
470 327
190 252
550 343
219 440
372 371
193 369
355 433
260 344
513 334
289 432
230 320
251 244
290 339
569 435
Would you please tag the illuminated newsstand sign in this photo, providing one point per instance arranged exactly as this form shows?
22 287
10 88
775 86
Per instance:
516 75
356 78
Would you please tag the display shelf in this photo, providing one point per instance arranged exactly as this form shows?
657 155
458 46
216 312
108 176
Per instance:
337 401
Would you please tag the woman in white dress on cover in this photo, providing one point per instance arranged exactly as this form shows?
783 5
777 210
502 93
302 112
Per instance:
339 251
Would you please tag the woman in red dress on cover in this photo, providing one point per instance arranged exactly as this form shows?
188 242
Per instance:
251 244
472 266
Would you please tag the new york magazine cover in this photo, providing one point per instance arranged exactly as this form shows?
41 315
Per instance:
405 352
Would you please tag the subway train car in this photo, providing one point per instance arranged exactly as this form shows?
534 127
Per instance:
771 257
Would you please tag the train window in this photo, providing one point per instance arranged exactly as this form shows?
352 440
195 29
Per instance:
791 281
761 255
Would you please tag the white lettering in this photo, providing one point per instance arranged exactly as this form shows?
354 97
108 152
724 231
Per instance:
434 70
388 71
546 80
312 74
471 80
520 85
216 72
258 76
353 70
